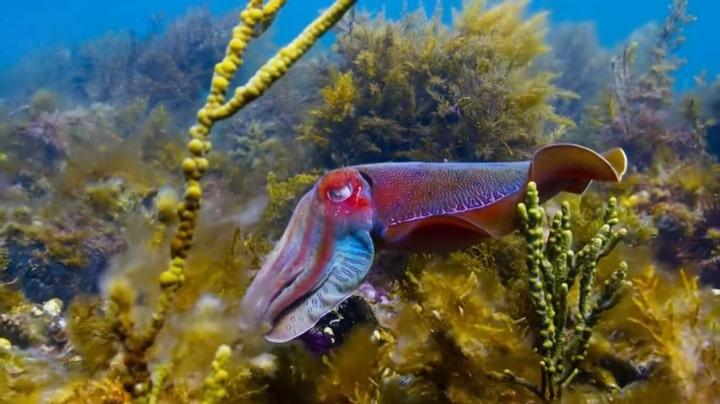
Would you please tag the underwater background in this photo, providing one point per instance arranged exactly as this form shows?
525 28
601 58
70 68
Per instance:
152 155
47 23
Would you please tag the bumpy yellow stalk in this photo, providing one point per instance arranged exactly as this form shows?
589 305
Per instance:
254 19
215 382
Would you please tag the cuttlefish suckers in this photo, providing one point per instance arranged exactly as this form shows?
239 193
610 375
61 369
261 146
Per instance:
329 244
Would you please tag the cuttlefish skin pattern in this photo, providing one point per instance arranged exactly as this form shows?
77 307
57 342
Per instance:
329 244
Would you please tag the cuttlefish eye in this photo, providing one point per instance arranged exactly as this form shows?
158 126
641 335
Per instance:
339 195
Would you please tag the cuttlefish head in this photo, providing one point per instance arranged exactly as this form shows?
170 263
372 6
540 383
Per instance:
321 259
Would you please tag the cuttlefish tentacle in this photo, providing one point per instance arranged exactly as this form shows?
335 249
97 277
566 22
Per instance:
329 244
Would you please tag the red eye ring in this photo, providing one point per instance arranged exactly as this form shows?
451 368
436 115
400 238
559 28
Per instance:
341 194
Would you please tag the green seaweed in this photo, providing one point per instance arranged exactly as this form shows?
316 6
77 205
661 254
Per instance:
554 268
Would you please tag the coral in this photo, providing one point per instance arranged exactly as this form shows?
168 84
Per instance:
416 89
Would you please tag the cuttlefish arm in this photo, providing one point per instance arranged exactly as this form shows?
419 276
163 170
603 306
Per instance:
329 244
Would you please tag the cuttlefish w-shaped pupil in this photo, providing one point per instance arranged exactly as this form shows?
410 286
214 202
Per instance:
339 195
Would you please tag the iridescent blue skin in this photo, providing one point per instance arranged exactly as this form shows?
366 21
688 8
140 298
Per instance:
330 242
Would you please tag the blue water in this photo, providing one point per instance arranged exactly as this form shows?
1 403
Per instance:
28 25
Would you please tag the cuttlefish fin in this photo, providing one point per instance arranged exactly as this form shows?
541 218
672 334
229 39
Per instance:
571 168
351 260
615 157
555 168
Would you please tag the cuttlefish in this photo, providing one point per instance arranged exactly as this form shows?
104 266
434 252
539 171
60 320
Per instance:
330 242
